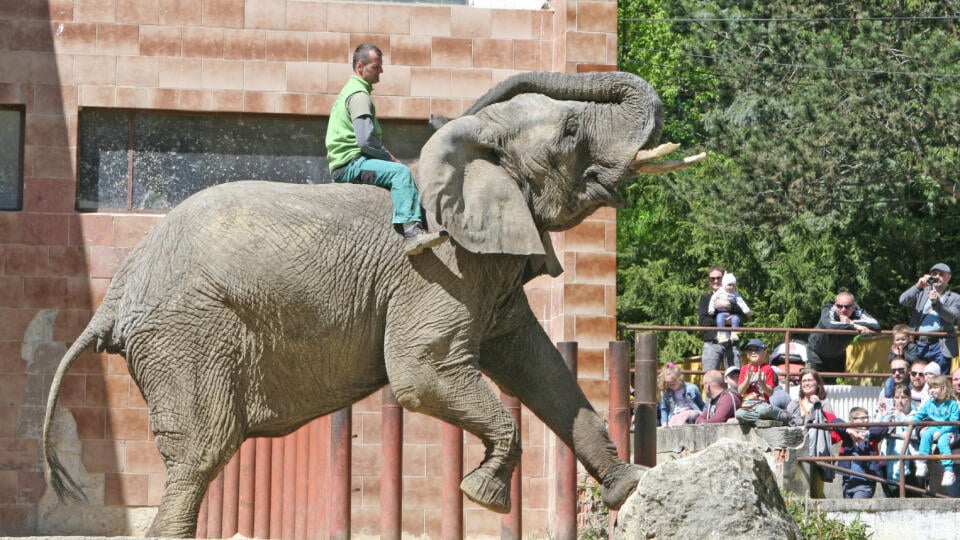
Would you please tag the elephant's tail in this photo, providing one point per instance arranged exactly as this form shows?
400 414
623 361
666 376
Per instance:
57 476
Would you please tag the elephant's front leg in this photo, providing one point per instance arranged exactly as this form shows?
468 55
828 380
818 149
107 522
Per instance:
526 364
439 376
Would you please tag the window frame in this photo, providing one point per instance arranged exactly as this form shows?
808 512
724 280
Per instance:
19 178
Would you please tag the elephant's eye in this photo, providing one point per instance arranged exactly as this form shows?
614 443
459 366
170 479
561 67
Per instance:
570 129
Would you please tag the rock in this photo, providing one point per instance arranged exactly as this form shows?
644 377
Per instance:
724 491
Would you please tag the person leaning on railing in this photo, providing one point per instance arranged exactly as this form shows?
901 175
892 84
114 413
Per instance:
828 352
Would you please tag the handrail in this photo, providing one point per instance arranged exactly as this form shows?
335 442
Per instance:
824 461
787 331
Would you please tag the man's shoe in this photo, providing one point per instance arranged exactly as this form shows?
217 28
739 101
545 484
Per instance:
419 239
948 479
921 469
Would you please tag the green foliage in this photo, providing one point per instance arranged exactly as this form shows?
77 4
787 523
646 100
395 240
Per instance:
832 139
818 526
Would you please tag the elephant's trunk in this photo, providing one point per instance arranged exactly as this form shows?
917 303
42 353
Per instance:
638 104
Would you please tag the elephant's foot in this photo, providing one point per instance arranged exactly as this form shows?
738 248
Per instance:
484 487
621 485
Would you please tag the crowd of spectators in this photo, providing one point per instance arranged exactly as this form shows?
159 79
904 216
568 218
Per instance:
743 386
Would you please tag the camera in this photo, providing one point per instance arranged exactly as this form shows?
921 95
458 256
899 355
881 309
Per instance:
933 280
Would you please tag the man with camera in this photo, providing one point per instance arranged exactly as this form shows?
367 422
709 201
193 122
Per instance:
935 309
828 352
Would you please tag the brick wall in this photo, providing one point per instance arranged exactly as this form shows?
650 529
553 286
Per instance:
256 56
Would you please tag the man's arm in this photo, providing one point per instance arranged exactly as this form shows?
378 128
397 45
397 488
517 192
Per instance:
948 307
909 296
868 320
361 111
703 311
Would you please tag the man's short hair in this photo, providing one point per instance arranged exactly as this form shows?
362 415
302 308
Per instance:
713 376
362 53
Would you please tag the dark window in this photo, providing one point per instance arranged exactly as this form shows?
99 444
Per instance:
11 158
151 161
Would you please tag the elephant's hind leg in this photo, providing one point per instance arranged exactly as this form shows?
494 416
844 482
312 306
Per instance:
456 393
197 431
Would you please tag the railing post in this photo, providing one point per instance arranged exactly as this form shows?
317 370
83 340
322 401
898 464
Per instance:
645 388
619 406
566 516
215 508
245 503
315 460
202 516
620 397
262 488
277 488
391 482
231 495
302 483
511 525
341 437
451 499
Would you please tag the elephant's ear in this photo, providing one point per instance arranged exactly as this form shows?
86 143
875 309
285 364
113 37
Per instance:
469 194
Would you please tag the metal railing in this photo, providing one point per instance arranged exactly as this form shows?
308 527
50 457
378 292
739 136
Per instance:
828 461
788 336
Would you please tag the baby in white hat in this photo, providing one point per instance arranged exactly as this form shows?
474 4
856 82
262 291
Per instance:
728 306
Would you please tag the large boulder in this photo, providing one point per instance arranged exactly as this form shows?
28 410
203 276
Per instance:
725 491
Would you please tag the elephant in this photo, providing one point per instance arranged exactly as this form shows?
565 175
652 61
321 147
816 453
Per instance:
254 307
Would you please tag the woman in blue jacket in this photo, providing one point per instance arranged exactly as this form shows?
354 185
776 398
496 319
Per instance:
680 402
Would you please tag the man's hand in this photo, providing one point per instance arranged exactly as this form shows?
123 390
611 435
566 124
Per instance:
862 329
933 295
922 282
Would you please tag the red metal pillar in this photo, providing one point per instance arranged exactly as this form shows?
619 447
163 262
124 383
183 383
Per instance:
287 510
215 508
262 488
202 516
645 388
248 457
619 405
565 525
341 431
451 525
277 480
301 506
231 495
511 525
391 471
620 397
326 495
314 488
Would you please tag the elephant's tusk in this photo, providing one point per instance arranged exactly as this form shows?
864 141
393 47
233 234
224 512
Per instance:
658 152
661 167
